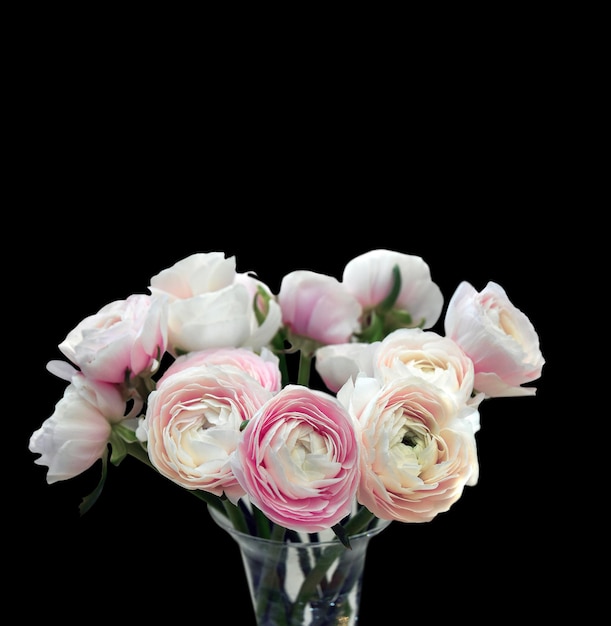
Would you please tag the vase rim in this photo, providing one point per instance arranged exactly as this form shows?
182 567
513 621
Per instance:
224 522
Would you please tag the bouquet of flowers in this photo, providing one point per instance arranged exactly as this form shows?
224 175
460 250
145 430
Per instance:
207 379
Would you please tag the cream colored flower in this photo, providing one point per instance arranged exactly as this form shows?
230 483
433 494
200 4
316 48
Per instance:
418 448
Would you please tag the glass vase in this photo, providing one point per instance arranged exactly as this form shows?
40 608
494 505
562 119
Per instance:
302 581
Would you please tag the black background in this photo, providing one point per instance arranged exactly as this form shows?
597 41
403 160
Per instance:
126 149
147 547
117 175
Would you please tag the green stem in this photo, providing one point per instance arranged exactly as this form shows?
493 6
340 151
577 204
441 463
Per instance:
278 345
236 517
356 524
209 498
269 593
261 522
359 521
139 452
305 363
314 578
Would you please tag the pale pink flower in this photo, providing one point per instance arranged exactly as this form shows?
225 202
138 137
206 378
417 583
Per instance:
499 339
122 340
369 277
192 425
417 352
211 306
418 448
318 308
76 435
298 460
262 367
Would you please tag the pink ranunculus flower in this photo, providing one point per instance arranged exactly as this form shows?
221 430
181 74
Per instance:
211 306
122 340
418 447
192 425
262 367
298 460
317 310
499 339
369 277
77 433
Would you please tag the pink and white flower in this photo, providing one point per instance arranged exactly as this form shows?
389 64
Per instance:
76 435
298 460
317 310
418 448
498 337
124 339
424 353
192 425
262 367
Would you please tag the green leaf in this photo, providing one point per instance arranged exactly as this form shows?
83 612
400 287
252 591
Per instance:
261 522
342 535
235 515
88 501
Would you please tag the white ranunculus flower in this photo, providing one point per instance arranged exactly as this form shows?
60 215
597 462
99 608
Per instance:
211 306
198 273
337 363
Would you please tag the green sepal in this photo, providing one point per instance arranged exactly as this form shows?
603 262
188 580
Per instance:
375 331
118 448
399 319
120 438
125 433
342 535
388 302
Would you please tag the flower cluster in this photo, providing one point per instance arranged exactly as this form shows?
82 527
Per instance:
194 379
